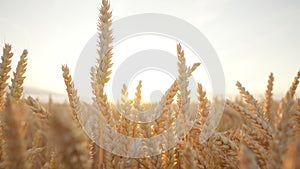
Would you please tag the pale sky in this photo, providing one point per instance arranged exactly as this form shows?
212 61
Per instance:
252 38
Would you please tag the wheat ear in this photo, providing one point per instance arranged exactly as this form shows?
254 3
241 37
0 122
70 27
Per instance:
105 37
293 88
203 108
203 112
138 97
257 122
16 88
72 93
100 76
165 104
37 108
4 70
250 100
268 98
259 152
183 98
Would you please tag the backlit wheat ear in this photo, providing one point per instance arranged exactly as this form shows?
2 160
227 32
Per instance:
72 93
101 72
16 88
104 44
192 69
164 121
126 103
170 158
203 112
256 137
14 146
105 37
101 77
183 98
4 70
126 126
138 97
222 150
166 101
203 105
268 98
70 144
37 108
293 88
250 100
257 122
259 152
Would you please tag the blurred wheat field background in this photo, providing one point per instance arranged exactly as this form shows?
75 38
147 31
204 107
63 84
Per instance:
251 134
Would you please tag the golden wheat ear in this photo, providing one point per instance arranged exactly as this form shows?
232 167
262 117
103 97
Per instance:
191 69
4 70
16 88
293 88
203 107
268 99
252 103
259 151
72 94
183 99
137 102
258 123
37 108
101 72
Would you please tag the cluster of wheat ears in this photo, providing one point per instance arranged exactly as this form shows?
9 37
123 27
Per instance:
252 133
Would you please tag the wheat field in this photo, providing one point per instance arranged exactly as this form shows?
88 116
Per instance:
251 134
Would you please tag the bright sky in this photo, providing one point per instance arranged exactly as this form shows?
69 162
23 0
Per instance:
252 38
